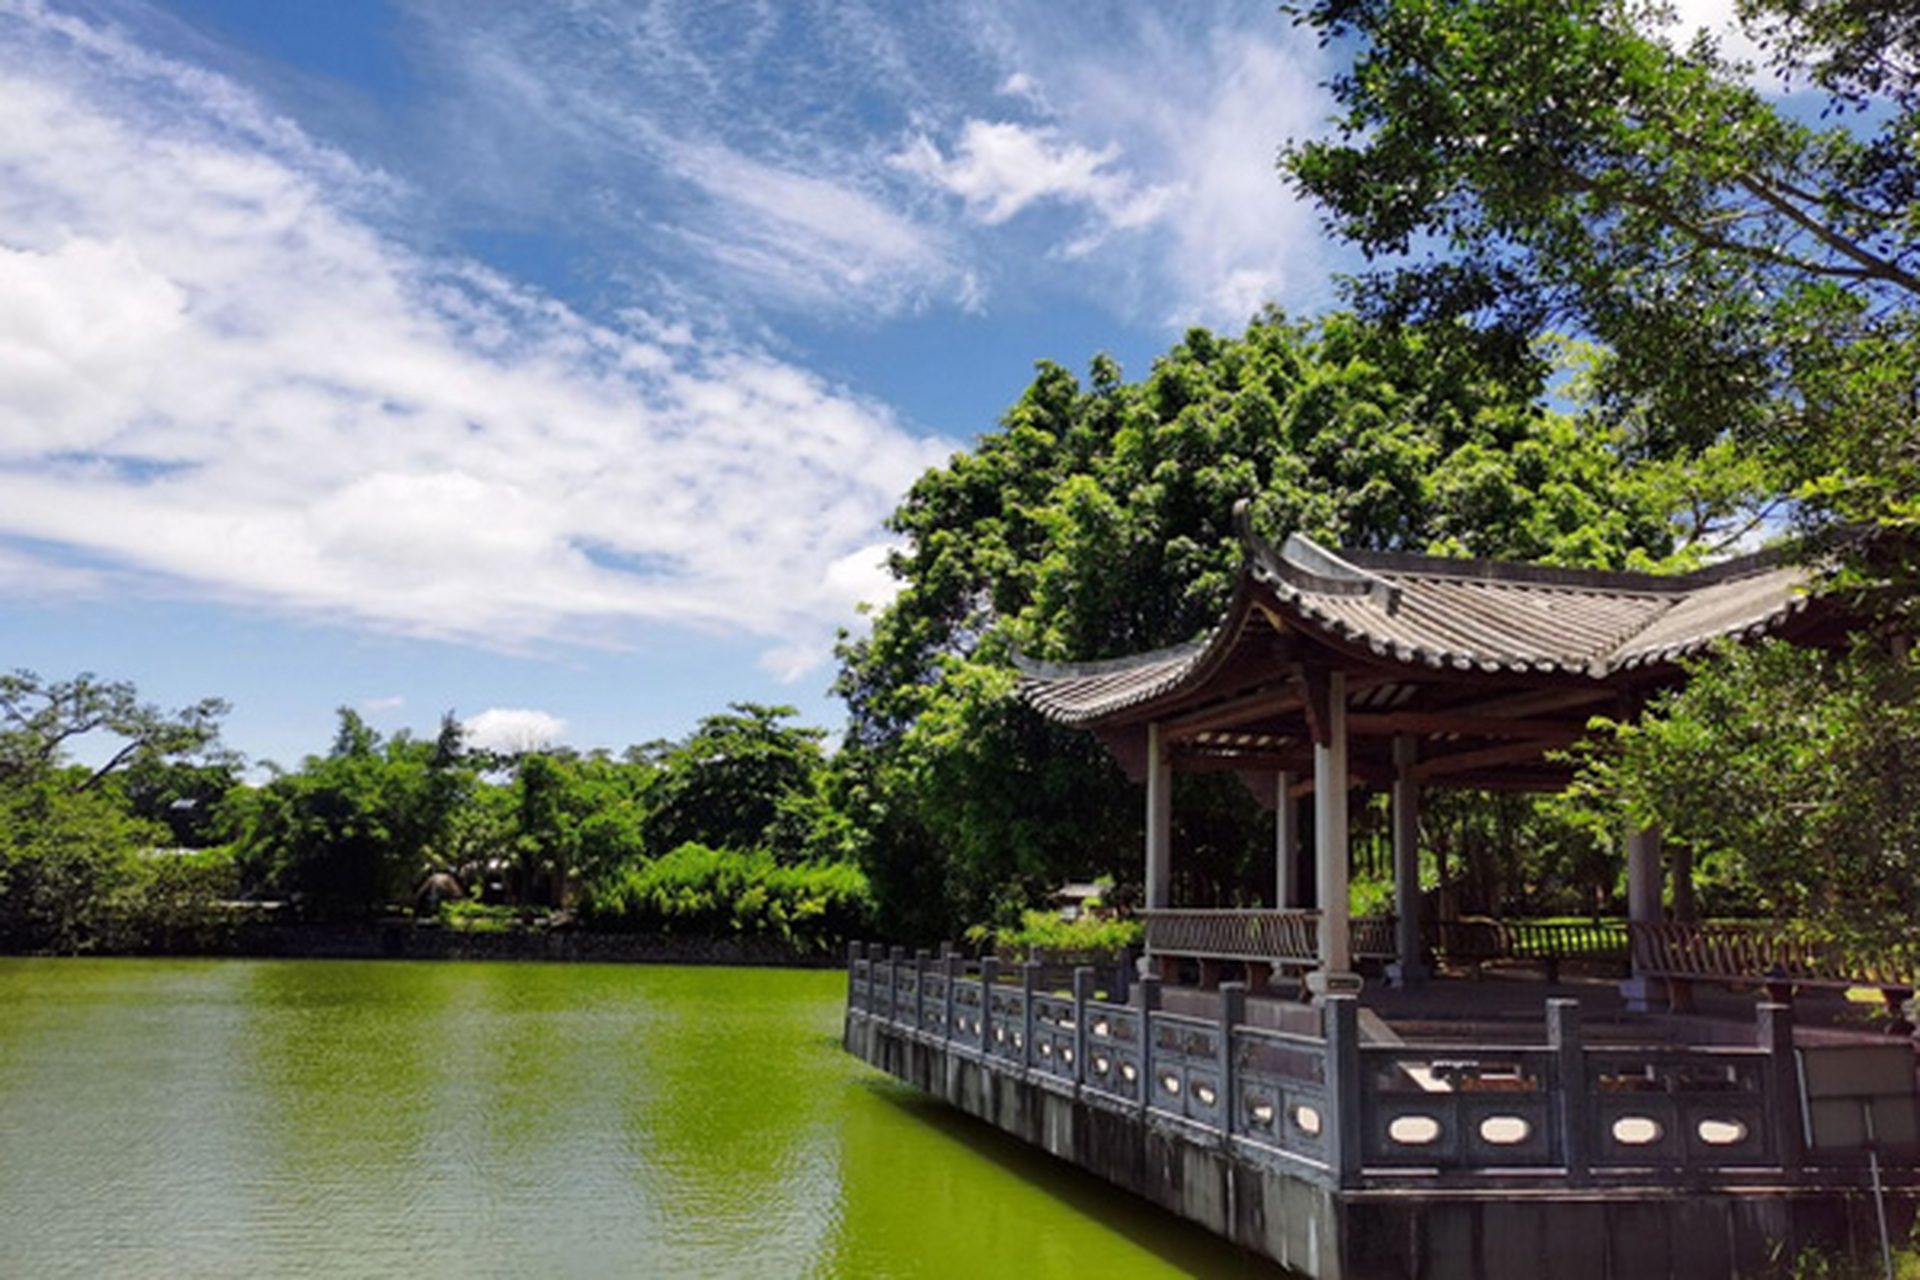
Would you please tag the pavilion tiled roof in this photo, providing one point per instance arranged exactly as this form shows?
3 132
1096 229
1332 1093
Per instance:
1435 614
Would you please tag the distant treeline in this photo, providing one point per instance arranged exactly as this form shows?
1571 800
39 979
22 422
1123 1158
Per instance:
728 831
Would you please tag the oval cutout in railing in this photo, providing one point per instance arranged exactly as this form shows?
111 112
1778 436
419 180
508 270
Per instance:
1414 1130
1102 1064
1722 1133
999 1035
1260 1113
1046 1048
1100 1028
1171 1083
1204 1092
1505 1131
1128 1072
1637 1131
1066 1056
1019 1042
1306 1119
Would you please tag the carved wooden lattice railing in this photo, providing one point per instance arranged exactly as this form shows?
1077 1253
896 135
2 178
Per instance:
1767 953
1286 937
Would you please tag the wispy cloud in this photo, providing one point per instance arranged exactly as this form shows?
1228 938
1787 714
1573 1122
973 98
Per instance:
217 372
999 168
847 159
1163 133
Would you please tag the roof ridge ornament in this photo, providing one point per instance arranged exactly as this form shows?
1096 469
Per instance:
1306 564
1303 553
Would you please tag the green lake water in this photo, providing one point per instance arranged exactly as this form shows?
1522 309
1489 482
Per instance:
319 1118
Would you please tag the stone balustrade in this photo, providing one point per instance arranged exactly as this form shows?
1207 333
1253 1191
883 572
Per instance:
1295 1087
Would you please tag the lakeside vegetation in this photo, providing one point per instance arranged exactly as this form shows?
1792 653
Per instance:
1744 284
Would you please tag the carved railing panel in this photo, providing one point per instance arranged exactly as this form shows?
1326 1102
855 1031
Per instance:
969 1011
1457 1107
1054 1034
1009 1038
1281 1098
1183 1068
1116 1058
933 1003
1688 1108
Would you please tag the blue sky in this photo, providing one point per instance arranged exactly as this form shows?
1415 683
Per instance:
556 363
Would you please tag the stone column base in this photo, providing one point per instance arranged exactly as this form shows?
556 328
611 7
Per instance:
1644 994
1321 984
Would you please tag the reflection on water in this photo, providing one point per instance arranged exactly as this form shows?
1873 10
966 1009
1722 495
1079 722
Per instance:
296 1118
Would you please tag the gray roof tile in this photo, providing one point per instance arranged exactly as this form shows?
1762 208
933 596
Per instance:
1459 615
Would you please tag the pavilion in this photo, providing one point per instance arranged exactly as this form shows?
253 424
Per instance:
1332 669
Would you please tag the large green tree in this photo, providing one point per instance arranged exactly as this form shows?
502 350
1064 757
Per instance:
359 826
1097 521
729 782
1791 777
76 870
1750 265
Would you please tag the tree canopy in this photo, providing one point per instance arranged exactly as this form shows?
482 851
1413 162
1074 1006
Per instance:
1750 272
1097 521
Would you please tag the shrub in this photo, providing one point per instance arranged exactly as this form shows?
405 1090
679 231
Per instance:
1092 936
701 892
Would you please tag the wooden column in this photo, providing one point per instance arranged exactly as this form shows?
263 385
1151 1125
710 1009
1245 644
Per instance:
1643 907
1159 820
1335 973
1408 967
1286 844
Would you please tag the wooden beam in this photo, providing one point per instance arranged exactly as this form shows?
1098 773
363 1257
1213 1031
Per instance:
1487 757
1467 724
1542 701
1259 705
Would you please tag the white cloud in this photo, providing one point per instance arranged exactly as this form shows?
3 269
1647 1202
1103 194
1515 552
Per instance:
1721 20
999 169
1024 87
217 374
513 729
380 706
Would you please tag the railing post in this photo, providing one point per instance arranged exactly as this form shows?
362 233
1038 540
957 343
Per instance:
1146 998
856 952
1233 1012
1775 1033
1573 1105
989 975
1029 975
922 958
1340 1020
1082 992
955 966
895 959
